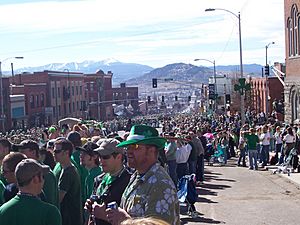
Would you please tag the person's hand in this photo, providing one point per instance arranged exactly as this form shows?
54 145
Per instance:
88 205
116 216
99 211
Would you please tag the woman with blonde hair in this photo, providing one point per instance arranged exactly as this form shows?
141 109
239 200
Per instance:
144 221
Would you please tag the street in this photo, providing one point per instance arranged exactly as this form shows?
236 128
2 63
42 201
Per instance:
237 195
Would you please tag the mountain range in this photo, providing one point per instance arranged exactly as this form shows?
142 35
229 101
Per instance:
133 73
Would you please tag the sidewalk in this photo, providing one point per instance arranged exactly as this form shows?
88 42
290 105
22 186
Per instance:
293 177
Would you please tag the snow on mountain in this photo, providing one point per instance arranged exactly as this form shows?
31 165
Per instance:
121 71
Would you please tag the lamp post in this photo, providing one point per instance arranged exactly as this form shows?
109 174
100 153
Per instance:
1 90
238 16
267 46
215 77
267 85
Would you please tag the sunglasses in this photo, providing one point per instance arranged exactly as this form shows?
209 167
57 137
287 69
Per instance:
105 157
133 147
137 146
57 151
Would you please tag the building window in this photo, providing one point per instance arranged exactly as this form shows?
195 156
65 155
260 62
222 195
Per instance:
77 103
76 90
80 90
295 31
53 93
37 101
73 107
58 92
54 111
298 35
70 110
31 100
59 110
42 100
92 86
65 109
72 90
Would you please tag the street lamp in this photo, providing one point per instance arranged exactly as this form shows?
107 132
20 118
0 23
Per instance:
267 46
1 90
238 16
215 78
267 85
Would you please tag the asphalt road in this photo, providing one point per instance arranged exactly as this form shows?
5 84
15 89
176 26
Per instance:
235 195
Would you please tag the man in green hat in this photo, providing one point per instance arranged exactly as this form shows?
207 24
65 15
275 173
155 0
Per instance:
151 191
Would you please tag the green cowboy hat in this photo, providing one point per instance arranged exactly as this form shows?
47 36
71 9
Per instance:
143 134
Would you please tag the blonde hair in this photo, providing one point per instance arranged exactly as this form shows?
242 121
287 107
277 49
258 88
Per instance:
144 221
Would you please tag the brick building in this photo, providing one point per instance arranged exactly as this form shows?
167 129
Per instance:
128 96
43 98
98 95
264 92
292 52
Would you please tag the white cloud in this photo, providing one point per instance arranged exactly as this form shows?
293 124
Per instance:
71 30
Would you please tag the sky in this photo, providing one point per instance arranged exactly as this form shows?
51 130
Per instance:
153 33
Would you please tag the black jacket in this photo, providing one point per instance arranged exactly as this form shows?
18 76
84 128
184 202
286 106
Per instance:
114 191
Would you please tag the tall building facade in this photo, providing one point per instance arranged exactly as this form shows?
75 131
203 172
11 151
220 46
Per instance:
292 52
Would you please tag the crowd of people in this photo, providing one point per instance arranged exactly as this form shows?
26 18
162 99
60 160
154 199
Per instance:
122 170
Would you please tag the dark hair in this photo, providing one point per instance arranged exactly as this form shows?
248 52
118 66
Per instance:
12 159
49 159
65 145
5 143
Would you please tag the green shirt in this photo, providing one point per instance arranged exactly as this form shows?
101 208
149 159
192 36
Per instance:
89 181
2 188
252 140
153 194
107 180
170 149
51 189
23 209
71 206
81 170
2 178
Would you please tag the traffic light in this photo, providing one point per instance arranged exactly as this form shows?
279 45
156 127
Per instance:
189 98
227 99
149 99
176 98
163 98
267 70
154 83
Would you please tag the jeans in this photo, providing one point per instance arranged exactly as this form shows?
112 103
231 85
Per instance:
172 165
281 159
278 149
252 154
200 168
192 166
182 170
265 154
242 157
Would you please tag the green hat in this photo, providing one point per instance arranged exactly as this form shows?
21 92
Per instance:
143 134
52 129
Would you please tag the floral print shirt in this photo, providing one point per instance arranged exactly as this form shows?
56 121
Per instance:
153 194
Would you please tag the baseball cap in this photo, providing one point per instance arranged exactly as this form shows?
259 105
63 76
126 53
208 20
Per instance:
27 169
74 137
108 147
89 148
